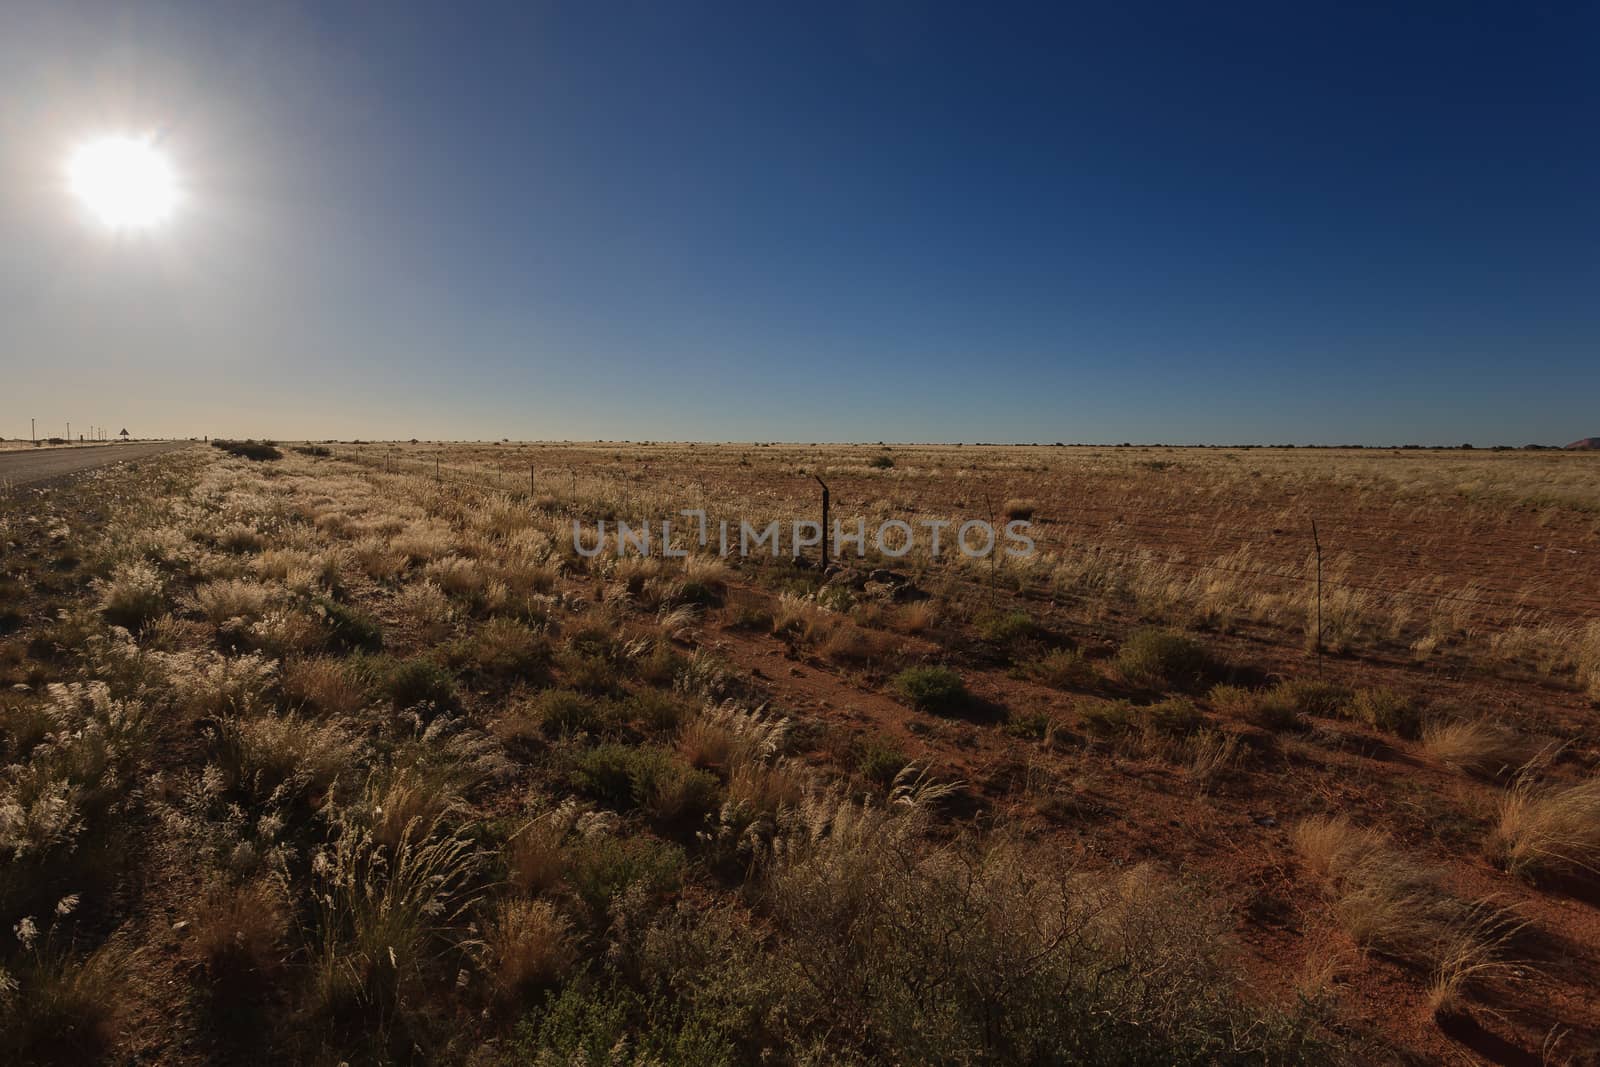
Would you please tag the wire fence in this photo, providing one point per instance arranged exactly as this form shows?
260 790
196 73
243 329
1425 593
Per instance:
1516 611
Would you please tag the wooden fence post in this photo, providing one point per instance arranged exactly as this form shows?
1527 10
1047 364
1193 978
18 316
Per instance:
824 485
1317 544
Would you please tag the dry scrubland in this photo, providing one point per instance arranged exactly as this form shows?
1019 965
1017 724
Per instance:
323 758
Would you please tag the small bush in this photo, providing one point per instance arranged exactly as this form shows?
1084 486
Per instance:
416 683
1107 721
505 648
1032 726
1019 508
939 690
1177 717
1312 697
1006 627
563 712
134 595
256 450
881 462
1270 709
1161 658
1062 669
588 1023
313 450
1386 710
657 711
349 628
878 762
602 866
627 776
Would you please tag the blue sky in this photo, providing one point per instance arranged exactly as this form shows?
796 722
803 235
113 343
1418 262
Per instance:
1177 223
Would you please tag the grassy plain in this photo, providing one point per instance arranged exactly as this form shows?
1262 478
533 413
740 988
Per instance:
350 755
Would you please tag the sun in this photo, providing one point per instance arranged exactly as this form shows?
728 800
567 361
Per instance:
125 182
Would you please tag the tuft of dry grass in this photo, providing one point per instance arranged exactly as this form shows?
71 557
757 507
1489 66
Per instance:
917 617
1019 508
282 754
1389 903
237 537
1476 746
134 594
231 601
325 684
535 859
1549 830
527 947
239 936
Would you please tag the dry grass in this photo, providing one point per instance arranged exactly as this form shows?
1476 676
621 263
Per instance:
527 947
1476 746
1387 902
239 935
1549 830
917 617
324 684
535 859
231 601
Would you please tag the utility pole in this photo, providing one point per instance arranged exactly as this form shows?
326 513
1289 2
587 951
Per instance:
33 430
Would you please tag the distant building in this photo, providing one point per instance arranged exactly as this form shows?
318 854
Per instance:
1586 444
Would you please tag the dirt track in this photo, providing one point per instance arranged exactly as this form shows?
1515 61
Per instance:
27 468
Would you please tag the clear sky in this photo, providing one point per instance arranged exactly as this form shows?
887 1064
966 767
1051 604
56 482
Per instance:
879 221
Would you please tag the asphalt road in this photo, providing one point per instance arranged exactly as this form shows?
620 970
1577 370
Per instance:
30 466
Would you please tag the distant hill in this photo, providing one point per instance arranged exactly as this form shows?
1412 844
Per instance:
1586 444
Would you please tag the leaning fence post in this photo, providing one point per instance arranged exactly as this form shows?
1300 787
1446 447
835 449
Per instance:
1317 544
824 485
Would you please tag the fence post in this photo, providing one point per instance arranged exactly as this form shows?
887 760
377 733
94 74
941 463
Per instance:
532 488
1317 544
824 485
436 468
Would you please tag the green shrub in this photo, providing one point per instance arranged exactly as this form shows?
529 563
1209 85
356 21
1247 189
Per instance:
1006 627
1270 709
627 776
562 712
415 683
1032 725
256 450
1176 717
881 462
1384 709
934 689
349 628
588 1023
1062 669
1156 657
1312 697
602 866
657 711
1109 720
879 763
592 674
